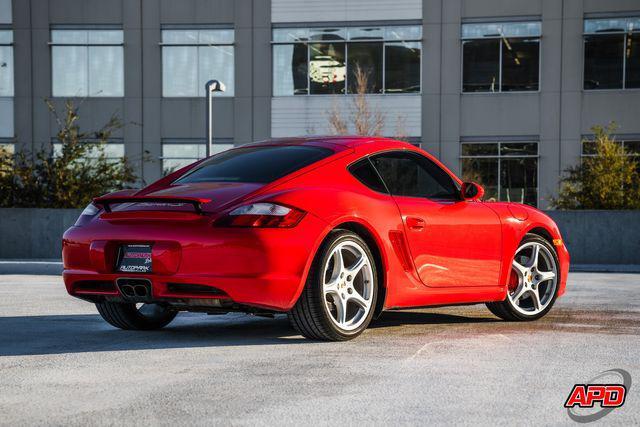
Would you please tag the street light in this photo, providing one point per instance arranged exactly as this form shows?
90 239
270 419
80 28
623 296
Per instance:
210 87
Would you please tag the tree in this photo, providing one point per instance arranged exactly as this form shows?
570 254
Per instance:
607 180
69 177
365 119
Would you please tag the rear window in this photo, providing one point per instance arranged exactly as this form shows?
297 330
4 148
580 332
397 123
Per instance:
256 164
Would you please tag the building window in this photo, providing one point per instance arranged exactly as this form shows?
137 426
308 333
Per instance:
192 57
612 53
320 61
6 83
180 153
508 171
501 57
631 145
113 151
87 62
5 12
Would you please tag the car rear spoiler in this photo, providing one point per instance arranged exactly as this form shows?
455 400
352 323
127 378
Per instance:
107 201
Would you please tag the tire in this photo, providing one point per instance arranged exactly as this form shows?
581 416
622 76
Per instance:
331 291
127 316
528 283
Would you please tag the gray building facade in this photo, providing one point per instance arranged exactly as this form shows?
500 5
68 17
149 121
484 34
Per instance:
502 92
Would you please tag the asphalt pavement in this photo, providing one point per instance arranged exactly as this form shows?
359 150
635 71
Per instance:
60 364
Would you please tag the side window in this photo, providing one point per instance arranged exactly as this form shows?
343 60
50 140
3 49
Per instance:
365 173
410 174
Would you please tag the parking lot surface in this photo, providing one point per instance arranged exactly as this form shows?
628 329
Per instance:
61 364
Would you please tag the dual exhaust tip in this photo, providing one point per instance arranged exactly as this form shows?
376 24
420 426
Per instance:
135 289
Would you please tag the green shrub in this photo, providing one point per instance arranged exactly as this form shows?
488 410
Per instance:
607 180
69 178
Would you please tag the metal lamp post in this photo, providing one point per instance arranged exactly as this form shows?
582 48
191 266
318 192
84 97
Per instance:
210 87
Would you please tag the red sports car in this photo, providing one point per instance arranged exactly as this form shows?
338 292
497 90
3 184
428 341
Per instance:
330 230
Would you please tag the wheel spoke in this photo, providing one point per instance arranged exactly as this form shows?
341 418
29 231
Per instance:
338 261
355 268
332 285
535 297
520 291
341 309
546 275
359 299
521 268
535 256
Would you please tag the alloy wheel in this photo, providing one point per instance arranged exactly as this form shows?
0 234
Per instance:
534 278
347 284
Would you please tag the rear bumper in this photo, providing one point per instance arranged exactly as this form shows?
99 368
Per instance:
273 293
264 268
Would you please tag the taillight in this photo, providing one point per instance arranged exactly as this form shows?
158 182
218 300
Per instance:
265 215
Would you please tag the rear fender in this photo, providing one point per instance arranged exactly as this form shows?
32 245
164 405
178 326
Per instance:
345 223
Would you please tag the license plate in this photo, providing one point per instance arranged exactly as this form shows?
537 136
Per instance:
135 259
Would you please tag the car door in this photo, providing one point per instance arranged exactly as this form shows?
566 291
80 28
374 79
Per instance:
453 242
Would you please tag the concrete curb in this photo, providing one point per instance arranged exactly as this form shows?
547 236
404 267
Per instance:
31 266
606 268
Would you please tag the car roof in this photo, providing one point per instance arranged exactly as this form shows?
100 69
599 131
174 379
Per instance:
347 141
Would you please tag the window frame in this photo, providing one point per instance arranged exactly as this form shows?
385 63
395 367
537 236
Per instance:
88 28
195 27
626 33
501 37
452 177
346 41
500 156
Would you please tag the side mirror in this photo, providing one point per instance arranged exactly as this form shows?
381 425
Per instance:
471 191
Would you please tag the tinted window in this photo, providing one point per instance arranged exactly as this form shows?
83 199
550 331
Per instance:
366 174
410 174
256 164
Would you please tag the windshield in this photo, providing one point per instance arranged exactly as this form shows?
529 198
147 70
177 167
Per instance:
262 164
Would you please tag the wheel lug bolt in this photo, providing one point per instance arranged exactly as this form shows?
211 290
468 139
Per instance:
341 275
343 296
349 278
350 290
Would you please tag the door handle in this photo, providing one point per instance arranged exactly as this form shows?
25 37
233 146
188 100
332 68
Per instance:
415 223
